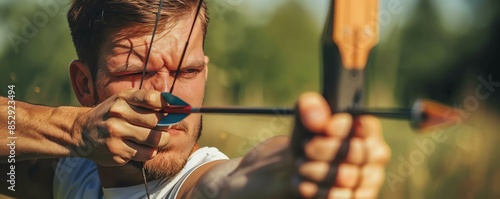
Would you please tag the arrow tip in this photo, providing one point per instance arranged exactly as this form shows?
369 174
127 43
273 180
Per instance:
429 115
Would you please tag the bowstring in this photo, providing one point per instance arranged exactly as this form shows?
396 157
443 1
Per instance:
158 14
185 46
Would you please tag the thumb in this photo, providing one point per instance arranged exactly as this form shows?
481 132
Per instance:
312 116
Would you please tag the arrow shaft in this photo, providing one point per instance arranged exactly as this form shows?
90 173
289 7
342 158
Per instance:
385 113
229 110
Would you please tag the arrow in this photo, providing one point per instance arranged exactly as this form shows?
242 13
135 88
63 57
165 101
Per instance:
422 114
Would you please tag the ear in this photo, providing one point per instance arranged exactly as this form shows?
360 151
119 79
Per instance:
206 68
82 83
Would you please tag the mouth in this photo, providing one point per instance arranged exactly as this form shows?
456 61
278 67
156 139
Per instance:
175 131
179 128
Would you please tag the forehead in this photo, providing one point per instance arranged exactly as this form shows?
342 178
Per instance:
135 37
123 46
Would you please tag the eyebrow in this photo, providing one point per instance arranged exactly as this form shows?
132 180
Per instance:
193 65
197 64
127 68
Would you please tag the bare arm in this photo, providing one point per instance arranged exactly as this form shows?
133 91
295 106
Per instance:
100 134
263 171
40 132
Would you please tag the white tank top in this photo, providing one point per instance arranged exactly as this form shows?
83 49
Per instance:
78 178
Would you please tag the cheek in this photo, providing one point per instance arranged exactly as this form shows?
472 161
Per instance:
192 91
106 89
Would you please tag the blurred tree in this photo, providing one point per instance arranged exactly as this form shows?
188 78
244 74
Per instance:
440 64
268 64
452 67
37 53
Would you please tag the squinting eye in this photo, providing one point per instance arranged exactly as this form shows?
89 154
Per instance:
139 74
186 73
191 71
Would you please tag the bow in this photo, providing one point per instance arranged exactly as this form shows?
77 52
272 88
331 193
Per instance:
350 33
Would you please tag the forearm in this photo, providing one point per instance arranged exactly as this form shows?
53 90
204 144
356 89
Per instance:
40 131
264 172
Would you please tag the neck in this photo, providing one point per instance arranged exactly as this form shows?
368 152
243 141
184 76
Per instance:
125 176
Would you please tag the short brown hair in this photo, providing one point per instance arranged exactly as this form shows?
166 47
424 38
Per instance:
92 22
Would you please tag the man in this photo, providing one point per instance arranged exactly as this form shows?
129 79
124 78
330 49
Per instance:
117 127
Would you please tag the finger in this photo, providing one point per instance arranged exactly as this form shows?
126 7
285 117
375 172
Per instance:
121 153
142 153
339 125
319 172
314 112
150 137
326 148
377 151
149 99
366 193
134 114
369 129
311 190
372 177
367 126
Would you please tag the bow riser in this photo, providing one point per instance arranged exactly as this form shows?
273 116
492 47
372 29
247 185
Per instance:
350 33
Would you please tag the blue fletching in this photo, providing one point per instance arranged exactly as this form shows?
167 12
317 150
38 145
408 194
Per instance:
171 119
172 99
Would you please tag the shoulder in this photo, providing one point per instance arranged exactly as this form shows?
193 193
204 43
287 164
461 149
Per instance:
199 163
205 154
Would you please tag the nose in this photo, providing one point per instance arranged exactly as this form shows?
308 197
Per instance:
160 81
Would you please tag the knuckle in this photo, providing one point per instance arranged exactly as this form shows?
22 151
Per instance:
149 97
121 95
315 171
379 153
322 148
348 175
372 121
357 152
117 108
111 126
124 94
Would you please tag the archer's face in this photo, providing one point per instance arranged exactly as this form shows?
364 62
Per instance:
121 68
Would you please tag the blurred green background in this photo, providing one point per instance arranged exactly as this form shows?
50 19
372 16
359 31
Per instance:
265 53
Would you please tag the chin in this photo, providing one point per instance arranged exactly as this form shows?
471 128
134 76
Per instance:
172 158
166 164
